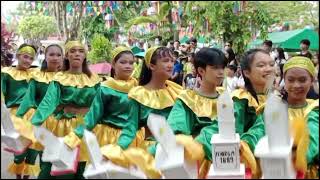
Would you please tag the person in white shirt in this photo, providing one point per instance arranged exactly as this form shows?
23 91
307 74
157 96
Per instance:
231 79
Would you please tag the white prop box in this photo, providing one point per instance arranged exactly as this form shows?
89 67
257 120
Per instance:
15 143
225 145
274 149
170 155
64 159
102 169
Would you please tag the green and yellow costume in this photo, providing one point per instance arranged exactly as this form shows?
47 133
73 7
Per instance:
14 84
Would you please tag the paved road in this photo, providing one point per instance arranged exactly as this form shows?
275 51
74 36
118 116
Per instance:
7 158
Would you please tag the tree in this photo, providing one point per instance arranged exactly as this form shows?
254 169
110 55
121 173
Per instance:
297 13
6 47
101 49
162 21
36 28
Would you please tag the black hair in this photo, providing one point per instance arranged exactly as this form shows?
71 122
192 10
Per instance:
146 73
176 53
231 54
246 63
116 59
194 40
44 65
268 43
232 67
305 41
281 53
209 56
177 41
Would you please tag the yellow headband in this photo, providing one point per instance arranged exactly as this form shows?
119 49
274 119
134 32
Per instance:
300 62
149 54
118 50
72 44
27 49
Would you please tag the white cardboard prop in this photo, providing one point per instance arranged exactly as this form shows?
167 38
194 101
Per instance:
226 144
170 155
274 149
15 143
64 159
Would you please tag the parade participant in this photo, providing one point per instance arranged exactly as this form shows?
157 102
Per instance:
38 86
109 111
257 69
68 97
195 109
14 85
299 73
155 94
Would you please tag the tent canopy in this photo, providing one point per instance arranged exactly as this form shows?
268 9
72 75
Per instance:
290 40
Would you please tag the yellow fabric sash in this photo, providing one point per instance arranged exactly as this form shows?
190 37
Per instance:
300 62
72 44
300 132
76 80
244 94
118 50
19 75
149 54
201 106
156 99
119 85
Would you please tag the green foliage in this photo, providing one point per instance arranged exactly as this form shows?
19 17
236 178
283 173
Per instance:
37 27
101 49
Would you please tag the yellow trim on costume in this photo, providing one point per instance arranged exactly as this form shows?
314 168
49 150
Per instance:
76 80
244 94
300 132
248 157
31 170
27 50
72 140
200 105
149 54
193 150
300 62
115 154
120 85
43 76
19 75
23 125
118 50
72 44
156 99
144 160
16 169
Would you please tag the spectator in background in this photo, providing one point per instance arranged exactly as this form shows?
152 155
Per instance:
187 68
279 56
230 55
189 81
231 79
267 46
227 45
176 45
193 45
177 74
304 46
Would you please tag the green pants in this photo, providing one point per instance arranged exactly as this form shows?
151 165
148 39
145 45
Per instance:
45 168
29 157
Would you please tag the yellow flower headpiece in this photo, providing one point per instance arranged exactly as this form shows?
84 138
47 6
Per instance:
118 50
27 49
72 44
149 54
300 62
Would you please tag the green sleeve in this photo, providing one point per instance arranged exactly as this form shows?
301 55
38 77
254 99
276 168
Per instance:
129 131
48 104
95 113
180 119
255 133
28 99
4 84
204 138
313 125
239 107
